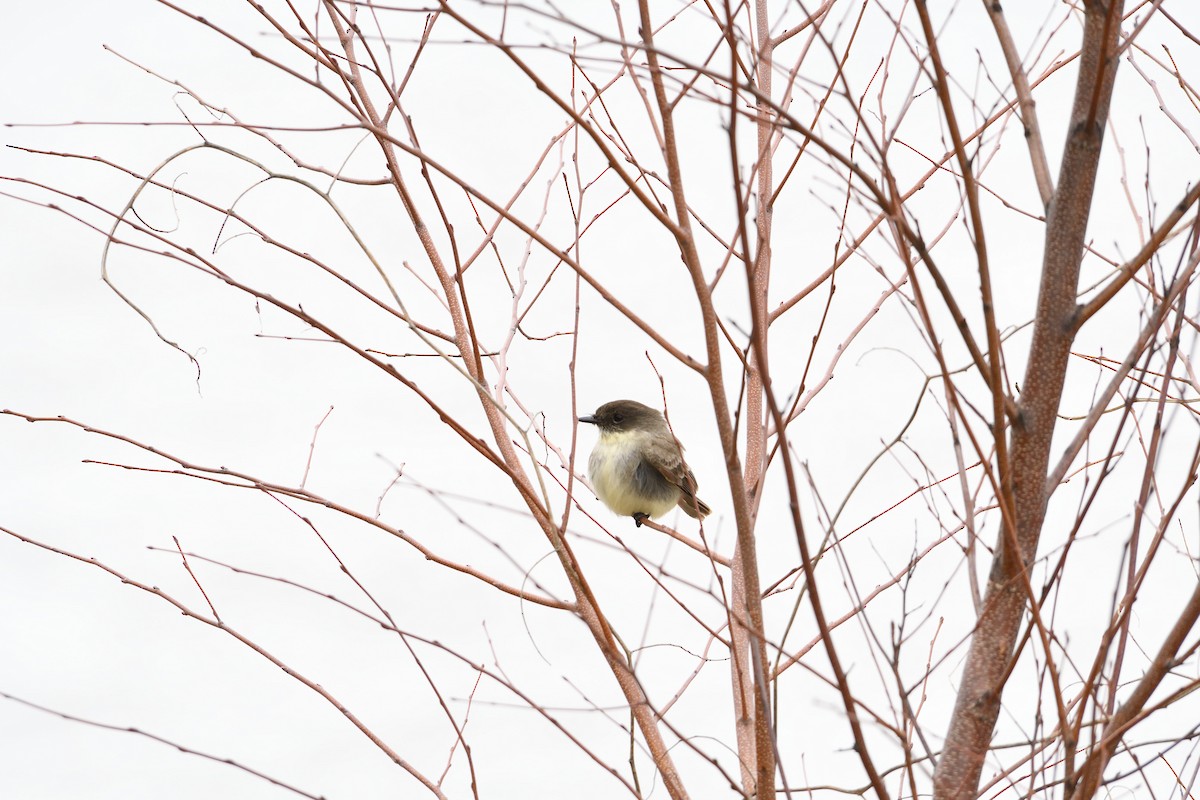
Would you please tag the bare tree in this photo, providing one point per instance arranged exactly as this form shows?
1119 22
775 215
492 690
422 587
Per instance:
960 563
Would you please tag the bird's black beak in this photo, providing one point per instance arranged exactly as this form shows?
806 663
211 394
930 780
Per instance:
589 419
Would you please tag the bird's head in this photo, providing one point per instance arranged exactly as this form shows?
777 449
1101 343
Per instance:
625 415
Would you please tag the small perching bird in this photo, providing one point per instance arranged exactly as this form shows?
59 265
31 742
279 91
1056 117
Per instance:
637 466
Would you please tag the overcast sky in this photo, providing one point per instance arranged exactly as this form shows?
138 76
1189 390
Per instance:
249 388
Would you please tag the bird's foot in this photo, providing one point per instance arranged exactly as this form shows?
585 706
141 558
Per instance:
639 518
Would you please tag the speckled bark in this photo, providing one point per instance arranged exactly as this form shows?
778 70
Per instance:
978 703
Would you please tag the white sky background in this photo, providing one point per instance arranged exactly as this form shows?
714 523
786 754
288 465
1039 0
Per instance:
74 639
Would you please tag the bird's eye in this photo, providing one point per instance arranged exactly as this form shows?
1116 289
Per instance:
618 417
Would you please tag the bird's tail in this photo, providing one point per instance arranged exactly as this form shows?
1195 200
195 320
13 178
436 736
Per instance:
693 506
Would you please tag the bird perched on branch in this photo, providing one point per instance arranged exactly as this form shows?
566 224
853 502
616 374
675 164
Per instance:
637 467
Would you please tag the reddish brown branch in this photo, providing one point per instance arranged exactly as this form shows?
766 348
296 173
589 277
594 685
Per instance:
987 666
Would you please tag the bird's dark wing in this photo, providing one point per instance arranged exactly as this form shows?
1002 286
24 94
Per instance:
667 461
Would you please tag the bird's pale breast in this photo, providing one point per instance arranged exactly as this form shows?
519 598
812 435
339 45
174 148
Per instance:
620 484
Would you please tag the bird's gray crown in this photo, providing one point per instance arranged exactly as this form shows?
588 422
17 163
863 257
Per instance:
624 415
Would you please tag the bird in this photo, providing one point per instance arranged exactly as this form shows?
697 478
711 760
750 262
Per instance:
637 466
